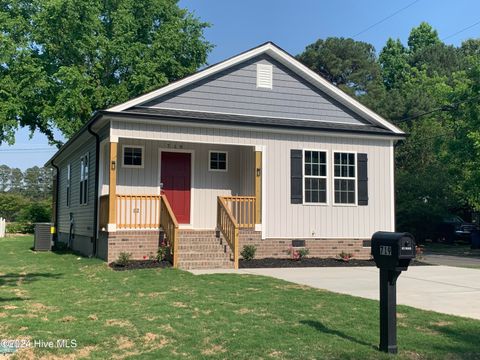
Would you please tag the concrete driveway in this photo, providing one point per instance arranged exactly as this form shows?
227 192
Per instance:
449 290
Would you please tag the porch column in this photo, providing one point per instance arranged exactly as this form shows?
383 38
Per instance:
258 187
112 188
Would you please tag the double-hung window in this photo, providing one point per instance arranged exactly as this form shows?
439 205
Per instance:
344 177
315 177
84 164
69 183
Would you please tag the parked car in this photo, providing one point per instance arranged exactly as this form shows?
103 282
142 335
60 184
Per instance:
455 228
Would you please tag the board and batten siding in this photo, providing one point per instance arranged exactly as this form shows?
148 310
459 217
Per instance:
206 185
82 214
281 218
235 91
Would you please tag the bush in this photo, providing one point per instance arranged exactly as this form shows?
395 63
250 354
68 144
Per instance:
36 212
345 256
19 228
298 254
124 258
248 252
162 251
11 205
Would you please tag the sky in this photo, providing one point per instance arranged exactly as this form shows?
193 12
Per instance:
237 26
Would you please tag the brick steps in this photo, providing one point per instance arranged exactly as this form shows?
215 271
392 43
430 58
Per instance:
202 250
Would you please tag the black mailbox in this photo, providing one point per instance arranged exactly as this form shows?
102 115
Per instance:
392 250
392 253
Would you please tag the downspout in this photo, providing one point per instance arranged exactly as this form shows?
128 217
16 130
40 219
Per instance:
57 190
95 209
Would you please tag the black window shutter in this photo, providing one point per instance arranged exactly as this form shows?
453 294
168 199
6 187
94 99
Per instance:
362 165
296 186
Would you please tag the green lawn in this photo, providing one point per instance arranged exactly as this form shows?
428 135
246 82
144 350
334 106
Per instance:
169 314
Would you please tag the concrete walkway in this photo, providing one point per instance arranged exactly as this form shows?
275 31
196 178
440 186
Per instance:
445 289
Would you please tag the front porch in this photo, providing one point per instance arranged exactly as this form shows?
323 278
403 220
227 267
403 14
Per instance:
163 189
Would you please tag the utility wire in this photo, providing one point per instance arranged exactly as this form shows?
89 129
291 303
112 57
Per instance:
441 108
26 150
462 30
385 18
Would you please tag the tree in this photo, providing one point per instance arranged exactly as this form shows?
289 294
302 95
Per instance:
11 205
394 63
422 37
349 64
5 173
64 59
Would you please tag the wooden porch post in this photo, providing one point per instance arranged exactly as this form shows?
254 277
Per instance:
112 186
258 187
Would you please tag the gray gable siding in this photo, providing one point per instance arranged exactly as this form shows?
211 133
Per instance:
235 91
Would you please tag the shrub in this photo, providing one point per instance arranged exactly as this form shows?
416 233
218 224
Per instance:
162 251
34 212
298 254
124 258
19 228
345 256
248 252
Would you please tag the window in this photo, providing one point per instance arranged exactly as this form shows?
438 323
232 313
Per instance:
84 163
218 161
69 183
133 156
315 177
344 176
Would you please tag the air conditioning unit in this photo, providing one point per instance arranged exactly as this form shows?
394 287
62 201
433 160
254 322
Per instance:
43 237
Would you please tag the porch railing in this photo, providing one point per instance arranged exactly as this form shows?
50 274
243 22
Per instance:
228 226
169 224
138 211
242 209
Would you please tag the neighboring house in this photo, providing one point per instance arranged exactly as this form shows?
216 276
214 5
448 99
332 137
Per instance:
258 146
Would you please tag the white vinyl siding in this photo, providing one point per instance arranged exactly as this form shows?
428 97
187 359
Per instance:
344 177
281 219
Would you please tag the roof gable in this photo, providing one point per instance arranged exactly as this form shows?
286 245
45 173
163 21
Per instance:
235 91
312 96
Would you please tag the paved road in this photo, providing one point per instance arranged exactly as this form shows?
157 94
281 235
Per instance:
450 260
449 290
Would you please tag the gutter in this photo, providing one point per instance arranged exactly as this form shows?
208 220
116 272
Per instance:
97 162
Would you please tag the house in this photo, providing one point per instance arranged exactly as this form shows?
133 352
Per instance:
257 149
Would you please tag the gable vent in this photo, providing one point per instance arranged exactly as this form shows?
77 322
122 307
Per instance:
264 76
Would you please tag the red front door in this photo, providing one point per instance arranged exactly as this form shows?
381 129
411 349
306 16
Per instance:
175 176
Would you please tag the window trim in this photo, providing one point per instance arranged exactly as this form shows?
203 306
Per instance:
134 147
355 203
210 160
326 177
85 178
68 199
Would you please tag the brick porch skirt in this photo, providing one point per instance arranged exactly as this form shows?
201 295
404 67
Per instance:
140 243
323 248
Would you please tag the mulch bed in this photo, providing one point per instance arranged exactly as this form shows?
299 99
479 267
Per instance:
140 264
308 262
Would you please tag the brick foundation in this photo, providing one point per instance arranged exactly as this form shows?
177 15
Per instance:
138 243
323 248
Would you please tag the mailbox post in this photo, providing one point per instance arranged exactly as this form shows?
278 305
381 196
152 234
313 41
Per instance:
392 253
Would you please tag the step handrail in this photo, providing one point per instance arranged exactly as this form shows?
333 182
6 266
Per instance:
169 224
227 224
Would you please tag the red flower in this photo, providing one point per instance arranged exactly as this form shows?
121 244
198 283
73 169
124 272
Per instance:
144 257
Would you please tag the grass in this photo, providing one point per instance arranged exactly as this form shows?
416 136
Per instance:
170 314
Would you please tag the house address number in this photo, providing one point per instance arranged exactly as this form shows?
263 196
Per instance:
385 250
